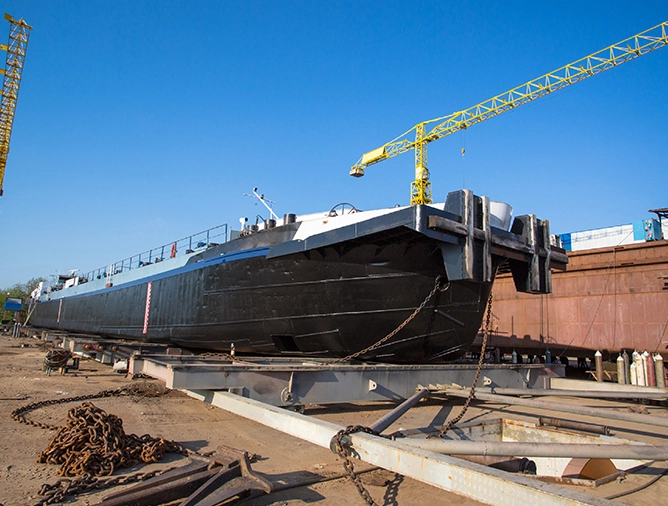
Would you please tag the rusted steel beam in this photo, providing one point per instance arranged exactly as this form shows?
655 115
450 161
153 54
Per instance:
659 421
204 482
163 492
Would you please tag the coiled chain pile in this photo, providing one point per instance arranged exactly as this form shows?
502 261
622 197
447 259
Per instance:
94 443
56 358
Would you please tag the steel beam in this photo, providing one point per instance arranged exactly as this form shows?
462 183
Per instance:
646 393
607 388
478 482
660 421
290 383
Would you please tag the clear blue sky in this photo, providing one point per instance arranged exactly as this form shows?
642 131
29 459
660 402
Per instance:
142 122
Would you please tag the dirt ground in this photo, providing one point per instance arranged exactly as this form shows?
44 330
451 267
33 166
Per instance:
290 463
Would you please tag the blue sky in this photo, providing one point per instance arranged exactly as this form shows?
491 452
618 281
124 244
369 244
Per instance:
141 122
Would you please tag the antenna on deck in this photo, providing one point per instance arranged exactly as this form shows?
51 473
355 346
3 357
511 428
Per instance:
264 201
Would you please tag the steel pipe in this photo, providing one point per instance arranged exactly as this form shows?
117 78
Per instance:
561 450
591 394
660 421
567 424
384 422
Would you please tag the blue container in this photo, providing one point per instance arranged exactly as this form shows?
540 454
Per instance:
647 230
12 304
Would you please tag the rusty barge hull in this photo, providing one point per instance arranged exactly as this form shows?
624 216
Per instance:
607 299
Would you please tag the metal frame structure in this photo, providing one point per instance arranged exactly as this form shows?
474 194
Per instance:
260 388
607 58
476 481
298 382
19 33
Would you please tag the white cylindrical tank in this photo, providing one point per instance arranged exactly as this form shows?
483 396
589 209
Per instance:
660 374
640 369
621 376
598 360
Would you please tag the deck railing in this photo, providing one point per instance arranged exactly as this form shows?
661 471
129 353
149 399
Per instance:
190 244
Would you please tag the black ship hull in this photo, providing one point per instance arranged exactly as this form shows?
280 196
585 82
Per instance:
331 295
297 307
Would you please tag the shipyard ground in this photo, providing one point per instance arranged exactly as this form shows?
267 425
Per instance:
287 461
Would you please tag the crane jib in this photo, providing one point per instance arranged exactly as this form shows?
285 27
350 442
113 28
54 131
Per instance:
19 33
579 70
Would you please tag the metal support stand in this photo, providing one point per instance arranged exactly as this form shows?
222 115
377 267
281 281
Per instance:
294 382
478 482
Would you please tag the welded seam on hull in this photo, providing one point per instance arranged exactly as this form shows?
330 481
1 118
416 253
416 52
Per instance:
257 320
313 282
295 317
324 332
415 338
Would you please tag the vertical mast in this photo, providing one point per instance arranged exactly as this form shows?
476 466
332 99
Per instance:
19 33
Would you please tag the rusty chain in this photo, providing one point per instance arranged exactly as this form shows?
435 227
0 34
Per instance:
437 288
341 448
348 464
446 427
93 443
138 390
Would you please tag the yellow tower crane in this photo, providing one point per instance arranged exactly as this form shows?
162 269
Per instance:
19 33
434 129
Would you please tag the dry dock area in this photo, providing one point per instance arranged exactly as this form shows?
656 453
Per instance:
306 473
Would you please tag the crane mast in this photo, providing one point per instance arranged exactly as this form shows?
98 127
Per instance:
429 131
19 33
